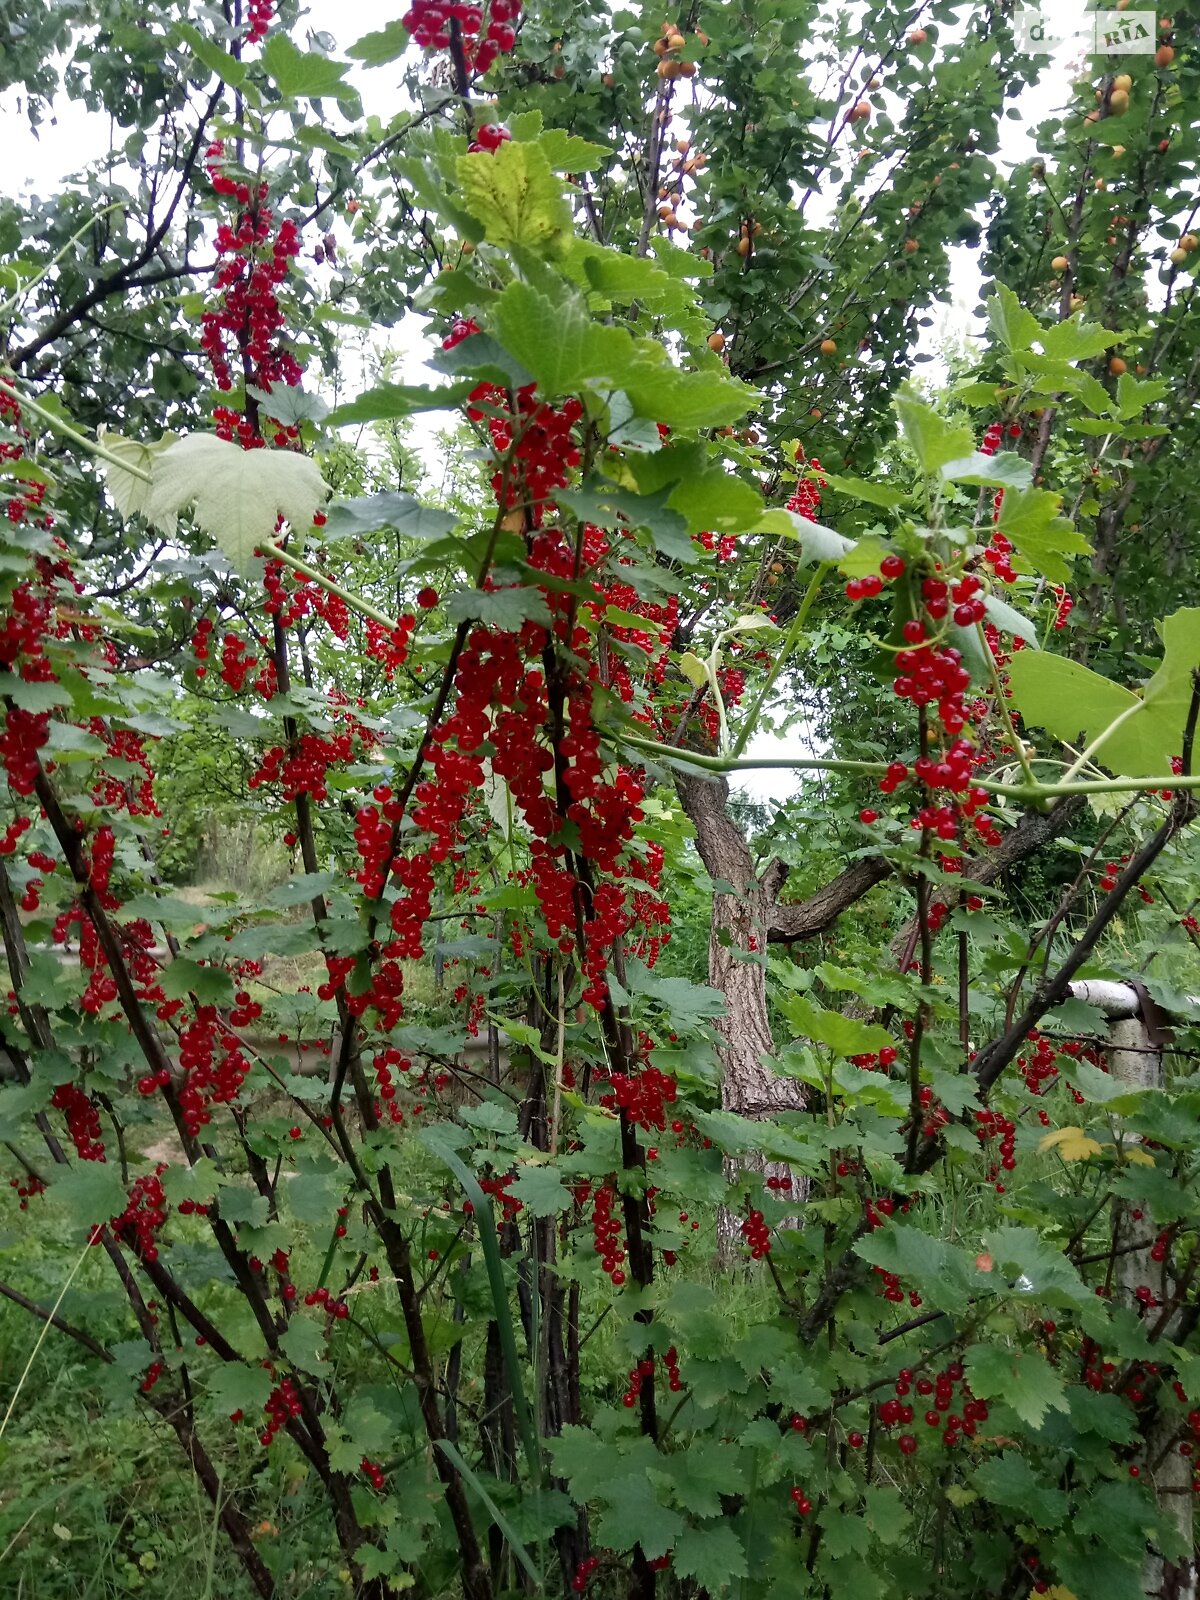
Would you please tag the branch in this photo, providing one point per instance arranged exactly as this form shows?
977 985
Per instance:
55 1321
808 918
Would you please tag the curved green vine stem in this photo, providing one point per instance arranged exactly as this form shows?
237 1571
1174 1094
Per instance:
721 766
354 601
777 666
95 448
15 299
1013 736
92 446
1101 739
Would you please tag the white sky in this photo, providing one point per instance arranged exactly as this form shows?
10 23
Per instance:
74 136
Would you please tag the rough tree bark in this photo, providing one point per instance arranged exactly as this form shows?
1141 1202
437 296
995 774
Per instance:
747 919
737 947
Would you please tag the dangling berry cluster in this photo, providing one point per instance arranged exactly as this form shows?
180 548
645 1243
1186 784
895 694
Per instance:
430 23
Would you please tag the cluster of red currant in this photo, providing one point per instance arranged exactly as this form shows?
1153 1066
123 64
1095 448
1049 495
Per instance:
246 325
83 1120
606 1231
144 1214
432 22
757 1235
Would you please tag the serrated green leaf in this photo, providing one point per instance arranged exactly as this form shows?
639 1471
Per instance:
234 1387
876 494
516 195
567 152
300 890
713 1556
935 442
540 1189
1128 733
1014 326
945 1274
91 1191
347 519
211 55
845 1036
1135 394
1030 518
302 74
303 1343
1005 470
388 402
1023 1379
501 608
1073 339
1007 1480
183 977
377 49
235 495
1009 620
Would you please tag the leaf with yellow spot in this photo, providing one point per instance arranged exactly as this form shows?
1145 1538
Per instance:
1136 1156
1072 1144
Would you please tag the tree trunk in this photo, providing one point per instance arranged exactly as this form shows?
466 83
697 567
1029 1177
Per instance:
737 954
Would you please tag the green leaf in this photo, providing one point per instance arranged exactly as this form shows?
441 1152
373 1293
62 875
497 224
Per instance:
234 1387
699 1476
1008 620
303 1343
1007 1480
567 152
1024 1380
633 1516
1131 734
313 1192
34 695
1036 1266
845 1036
242 1206
183 977
388 402
516 195
713 1556
935 442
1073 339
541 1189
1030 518
711 499
609 506
300 74
1006 470
347 519
211 55
300 890
686 1003
557 340
1134 395
817 543
624 279
501 608
129 489
876 494
944 1274
289 403
236 495
377 49
91 1191
1014 326
887 1515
